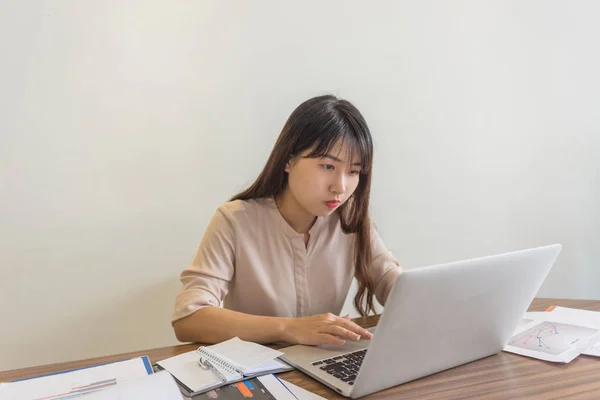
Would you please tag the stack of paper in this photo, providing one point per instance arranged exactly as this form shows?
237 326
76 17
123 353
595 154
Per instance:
266 387
584 318
558 335
250 359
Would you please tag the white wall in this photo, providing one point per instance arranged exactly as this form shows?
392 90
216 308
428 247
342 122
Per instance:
123 125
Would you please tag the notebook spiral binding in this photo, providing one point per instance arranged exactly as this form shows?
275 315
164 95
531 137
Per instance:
231 368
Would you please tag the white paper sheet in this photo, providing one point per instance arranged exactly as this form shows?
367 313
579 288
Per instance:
271 365
276 387
301 394
592 350
158 386
584 318
245 354
80 382
551 337
577 317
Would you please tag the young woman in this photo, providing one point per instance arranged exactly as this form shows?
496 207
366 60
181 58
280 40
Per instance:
282 254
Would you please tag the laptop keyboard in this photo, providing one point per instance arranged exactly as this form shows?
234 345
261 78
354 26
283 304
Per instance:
344 367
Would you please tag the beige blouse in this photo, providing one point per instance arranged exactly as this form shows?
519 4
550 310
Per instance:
254 262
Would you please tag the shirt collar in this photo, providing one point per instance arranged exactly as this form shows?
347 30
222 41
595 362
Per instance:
285 227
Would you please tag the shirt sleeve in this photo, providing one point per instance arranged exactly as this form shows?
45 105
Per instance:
385 267
206 281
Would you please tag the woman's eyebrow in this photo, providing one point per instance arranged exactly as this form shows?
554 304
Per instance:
357 164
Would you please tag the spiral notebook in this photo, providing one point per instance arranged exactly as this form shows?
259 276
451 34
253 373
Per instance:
234 359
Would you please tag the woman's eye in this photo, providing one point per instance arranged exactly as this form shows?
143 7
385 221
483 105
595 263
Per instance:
328 166
354 172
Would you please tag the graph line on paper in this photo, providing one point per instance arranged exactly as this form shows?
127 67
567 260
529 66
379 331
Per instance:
81 390
550 337
541 335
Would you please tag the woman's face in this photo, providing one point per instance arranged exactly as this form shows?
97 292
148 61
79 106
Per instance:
321 185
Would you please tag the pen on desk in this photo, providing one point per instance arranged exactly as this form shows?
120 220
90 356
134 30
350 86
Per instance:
208 366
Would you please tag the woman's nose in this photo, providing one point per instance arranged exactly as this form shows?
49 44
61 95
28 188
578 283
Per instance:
339 186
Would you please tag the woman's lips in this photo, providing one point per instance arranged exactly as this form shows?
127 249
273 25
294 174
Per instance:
332 204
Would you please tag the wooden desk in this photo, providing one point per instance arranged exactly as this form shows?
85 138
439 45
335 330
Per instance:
501 376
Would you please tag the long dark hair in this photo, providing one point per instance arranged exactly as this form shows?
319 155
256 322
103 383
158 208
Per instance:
318 125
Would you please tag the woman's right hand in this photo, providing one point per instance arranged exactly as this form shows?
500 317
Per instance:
322 329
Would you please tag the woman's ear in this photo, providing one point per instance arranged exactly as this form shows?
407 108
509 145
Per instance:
289 164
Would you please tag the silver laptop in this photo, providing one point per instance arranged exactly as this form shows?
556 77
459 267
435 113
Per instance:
435 318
